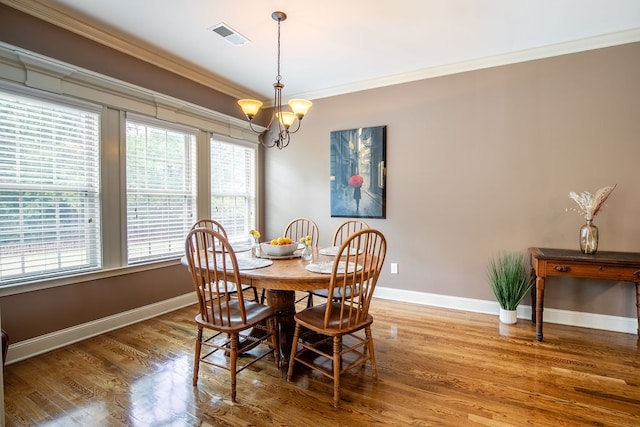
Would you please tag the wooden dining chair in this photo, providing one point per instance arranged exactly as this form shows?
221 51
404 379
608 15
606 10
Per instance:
229 320
295 230
346 229
211 224
302 227
346 317
214 225
342 232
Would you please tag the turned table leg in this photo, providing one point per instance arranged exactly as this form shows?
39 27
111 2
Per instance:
533 301
539 306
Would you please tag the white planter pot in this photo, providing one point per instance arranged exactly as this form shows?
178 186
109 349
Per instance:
508 316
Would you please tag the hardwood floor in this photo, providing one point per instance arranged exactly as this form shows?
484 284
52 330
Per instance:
436 367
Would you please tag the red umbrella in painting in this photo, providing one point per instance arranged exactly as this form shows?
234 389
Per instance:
356 181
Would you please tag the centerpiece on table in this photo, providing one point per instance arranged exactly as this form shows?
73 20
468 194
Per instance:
307 252
279 247
255 242
590 205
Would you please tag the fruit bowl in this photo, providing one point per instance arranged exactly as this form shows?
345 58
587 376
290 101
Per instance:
278 250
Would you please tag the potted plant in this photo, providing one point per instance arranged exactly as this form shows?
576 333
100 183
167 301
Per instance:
510 281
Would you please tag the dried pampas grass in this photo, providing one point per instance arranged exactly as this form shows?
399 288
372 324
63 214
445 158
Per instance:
591 204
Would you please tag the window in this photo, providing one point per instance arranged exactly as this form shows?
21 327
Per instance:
91 186
233 188
49 189
161 188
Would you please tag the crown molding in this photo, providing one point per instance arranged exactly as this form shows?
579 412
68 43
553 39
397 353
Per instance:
575 46
56 16
31 70
67 21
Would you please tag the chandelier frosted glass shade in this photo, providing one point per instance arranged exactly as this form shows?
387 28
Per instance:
286 118
300 107
250 107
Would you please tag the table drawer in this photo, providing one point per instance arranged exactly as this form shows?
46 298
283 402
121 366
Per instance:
608 272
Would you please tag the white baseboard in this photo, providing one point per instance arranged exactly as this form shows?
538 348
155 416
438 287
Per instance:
551 315
44 343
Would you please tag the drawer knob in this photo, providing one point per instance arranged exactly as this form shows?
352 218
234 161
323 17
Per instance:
562 268
637 274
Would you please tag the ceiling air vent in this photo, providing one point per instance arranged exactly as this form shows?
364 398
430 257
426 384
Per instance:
229 34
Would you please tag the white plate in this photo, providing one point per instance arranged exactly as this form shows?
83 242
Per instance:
327 267
333 251
237 247
253 263
241 247
249 263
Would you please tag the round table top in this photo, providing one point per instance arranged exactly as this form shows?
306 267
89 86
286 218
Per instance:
285 274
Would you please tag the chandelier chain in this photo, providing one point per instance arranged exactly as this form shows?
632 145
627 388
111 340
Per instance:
278 76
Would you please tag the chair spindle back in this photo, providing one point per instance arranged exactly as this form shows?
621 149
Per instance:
214 275
362 255
302 227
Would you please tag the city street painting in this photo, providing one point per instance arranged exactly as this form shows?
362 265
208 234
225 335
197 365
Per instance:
358 173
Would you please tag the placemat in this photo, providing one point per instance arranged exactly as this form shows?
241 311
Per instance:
291 256
327 267
253 263
333 251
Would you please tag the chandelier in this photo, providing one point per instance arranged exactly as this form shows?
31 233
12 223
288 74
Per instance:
284 119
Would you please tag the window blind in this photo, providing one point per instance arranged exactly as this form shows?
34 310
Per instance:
233 188
161 188
49 189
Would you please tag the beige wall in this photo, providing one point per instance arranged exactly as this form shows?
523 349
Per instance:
481 162
32 314
478 162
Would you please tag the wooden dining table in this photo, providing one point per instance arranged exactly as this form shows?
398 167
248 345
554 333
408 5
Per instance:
281 280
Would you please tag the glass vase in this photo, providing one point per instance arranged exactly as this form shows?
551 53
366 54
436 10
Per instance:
589 238
255 247
307 253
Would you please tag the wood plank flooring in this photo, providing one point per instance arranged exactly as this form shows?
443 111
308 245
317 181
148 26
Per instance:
436 367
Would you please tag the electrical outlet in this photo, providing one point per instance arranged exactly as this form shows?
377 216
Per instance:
394 268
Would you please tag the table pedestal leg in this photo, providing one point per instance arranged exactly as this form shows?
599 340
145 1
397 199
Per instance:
283 302
539 306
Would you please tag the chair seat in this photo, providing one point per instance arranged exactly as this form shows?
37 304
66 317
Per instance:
337 293
231 287
313 318
255 312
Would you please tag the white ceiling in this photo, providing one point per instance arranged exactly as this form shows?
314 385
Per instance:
337 46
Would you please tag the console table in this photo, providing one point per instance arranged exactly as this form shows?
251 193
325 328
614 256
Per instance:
618 266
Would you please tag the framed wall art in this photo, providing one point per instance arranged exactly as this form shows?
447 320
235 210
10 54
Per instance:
358 172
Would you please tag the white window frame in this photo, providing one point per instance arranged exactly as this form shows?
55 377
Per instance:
45 248
168 203
243 215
